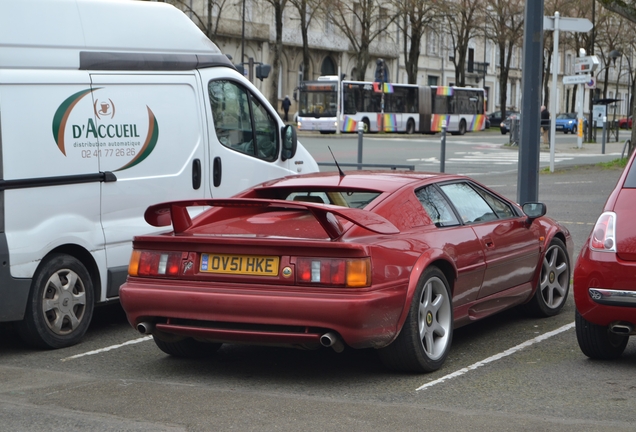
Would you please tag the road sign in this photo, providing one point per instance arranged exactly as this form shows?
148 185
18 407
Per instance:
576 79
591 85
579 25
586 64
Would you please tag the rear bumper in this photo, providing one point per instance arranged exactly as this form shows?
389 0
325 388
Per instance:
605 288
265 314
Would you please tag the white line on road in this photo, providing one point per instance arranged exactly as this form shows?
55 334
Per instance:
112 347
499 356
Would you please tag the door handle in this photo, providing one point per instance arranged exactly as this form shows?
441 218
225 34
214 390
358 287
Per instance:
196 174
217 171
489 243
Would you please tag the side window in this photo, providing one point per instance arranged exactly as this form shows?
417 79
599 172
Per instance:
501 208
266 129
436 206
241 123
471 206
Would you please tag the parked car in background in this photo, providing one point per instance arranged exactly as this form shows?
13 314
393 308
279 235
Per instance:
494 118
568 123
625 123
385 260
605 275
504 126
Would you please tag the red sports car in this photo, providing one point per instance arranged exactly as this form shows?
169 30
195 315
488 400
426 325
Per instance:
605 275
387 260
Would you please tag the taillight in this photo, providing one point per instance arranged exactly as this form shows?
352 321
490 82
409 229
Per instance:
604 234
154 263
337 272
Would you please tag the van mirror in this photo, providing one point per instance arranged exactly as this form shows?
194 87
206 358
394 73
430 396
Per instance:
290 142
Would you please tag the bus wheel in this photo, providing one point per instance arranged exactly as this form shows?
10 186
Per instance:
60 305
462 127
410 127
367 125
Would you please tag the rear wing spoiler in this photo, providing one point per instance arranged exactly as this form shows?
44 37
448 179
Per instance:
176 213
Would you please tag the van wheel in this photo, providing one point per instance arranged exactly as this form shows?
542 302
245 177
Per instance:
60 305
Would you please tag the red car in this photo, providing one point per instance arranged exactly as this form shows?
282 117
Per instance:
625 123
384 260
605 275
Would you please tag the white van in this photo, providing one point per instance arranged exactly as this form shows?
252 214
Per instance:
107 107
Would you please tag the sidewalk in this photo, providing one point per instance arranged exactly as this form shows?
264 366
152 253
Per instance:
589 148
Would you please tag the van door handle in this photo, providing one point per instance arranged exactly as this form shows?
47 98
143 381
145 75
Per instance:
217 171
196 174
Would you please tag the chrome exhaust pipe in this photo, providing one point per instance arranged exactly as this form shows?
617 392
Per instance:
622 328
331 339
145 328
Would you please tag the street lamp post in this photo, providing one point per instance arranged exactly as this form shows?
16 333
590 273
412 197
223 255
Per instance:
613 55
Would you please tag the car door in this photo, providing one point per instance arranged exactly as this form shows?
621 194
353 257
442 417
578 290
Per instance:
244 134
150 133
457 240
511 247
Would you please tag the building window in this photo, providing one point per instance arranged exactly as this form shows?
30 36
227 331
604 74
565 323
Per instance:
328 67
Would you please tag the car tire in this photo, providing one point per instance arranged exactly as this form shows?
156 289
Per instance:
554 282
462 127
598 342
185 347
60 305
367 125
410 127
573 130
425 339
503 132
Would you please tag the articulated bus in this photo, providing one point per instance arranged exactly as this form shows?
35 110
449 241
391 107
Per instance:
385 107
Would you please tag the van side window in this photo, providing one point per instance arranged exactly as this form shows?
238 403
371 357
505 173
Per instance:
241 122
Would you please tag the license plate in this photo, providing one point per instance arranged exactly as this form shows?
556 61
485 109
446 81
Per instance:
256 265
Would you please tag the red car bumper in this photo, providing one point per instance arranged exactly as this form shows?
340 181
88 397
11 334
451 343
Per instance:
605 287
265 314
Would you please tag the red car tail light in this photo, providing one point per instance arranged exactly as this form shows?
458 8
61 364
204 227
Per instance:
603 237
154 263
353 273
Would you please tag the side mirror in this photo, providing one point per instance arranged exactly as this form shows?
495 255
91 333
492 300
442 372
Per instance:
534 210
290 142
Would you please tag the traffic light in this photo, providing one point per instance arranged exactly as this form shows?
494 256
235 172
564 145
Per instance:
262 71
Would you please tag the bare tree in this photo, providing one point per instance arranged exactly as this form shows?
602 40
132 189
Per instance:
307 9
207 18
626 9
278 7
464 21
361 23
504 27
414 17
552 6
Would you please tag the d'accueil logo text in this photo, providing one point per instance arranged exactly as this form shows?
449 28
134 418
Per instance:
99 134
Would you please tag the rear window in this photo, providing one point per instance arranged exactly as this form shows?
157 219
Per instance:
353 199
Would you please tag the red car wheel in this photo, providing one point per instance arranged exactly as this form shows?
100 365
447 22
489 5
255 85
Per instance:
598 342
425 339
554 283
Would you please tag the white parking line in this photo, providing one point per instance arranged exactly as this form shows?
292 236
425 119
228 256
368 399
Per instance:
497 356
112 347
